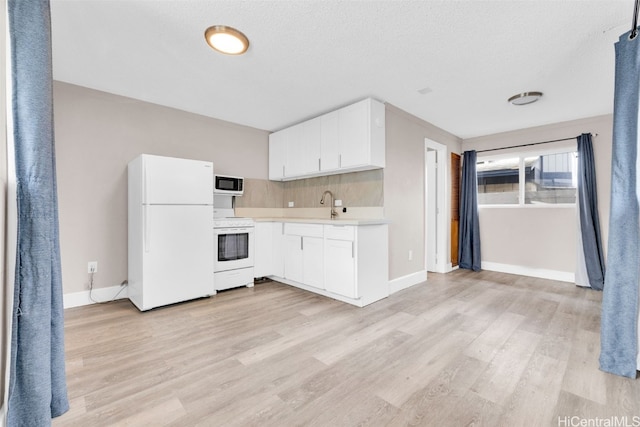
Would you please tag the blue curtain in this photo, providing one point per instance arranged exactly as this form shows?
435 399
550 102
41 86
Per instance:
592 252
619 321
469 228
37 381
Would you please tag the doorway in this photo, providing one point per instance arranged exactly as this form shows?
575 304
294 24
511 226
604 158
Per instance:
436 231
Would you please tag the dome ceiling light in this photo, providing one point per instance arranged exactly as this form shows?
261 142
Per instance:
525 98
226 40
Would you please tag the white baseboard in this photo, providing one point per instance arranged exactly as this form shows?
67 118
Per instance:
76 299
407 281
563 276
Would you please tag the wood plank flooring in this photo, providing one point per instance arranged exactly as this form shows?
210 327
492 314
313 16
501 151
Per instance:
461 349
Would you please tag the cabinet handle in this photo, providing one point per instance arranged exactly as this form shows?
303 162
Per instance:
319 164
353 250
301 243
283 171
339 160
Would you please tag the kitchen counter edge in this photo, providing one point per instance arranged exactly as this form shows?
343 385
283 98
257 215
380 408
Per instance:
348 221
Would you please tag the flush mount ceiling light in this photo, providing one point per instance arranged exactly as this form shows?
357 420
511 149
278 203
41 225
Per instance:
226 40
525 98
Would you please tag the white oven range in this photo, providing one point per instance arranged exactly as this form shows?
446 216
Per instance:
233 252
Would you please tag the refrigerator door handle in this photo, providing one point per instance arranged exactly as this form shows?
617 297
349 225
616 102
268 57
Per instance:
145 229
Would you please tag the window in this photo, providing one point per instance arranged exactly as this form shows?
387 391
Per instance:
498 181
546 179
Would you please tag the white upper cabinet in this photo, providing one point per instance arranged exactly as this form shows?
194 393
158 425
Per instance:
346 140
303 148
329 142
277 155
354 137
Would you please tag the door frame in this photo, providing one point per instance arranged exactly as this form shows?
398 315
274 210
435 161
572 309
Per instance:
443 264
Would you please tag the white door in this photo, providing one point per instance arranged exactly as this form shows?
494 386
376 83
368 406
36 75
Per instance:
432 210
293 259
178 254
169 180
340 267
437 212
312 270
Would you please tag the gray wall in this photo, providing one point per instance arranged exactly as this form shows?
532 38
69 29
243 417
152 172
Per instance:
543 238
404 193
97 134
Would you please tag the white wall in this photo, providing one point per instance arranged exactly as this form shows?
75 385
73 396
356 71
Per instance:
542 239
97 134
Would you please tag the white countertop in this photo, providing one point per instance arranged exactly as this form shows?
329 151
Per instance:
338 221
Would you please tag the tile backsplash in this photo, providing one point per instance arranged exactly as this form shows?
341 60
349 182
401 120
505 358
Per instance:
364 189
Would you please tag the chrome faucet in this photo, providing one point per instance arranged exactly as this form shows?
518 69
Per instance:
333 211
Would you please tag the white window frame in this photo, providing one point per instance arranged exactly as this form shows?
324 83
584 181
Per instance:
521 178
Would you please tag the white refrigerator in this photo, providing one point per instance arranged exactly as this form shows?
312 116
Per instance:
170 230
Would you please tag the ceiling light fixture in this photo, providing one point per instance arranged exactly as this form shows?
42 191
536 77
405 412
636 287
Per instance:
525 98
226 40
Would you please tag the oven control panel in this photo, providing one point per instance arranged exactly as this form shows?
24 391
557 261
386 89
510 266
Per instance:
232 222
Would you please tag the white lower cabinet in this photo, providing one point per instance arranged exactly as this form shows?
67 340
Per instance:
312 262
293 260
277 249
303 254
263 253
269 249
344 262
339 267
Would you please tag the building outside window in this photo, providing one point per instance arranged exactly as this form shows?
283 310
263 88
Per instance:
547 179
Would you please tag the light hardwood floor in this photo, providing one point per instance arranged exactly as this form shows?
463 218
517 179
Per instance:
461 349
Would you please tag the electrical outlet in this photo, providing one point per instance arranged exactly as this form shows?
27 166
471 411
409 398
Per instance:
410 255
291 204
92 267
338 202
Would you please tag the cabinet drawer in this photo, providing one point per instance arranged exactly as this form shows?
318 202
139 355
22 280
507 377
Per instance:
309 230
339 232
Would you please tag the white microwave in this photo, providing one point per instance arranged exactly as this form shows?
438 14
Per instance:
232 185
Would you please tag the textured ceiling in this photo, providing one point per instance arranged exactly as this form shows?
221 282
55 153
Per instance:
310 57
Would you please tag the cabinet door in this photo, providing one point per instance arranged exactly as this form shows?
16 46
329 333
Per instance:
294 151
353 122
303 149
329 142
311 134
277 147
293 258
263 255
278 249
313 274
339 267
